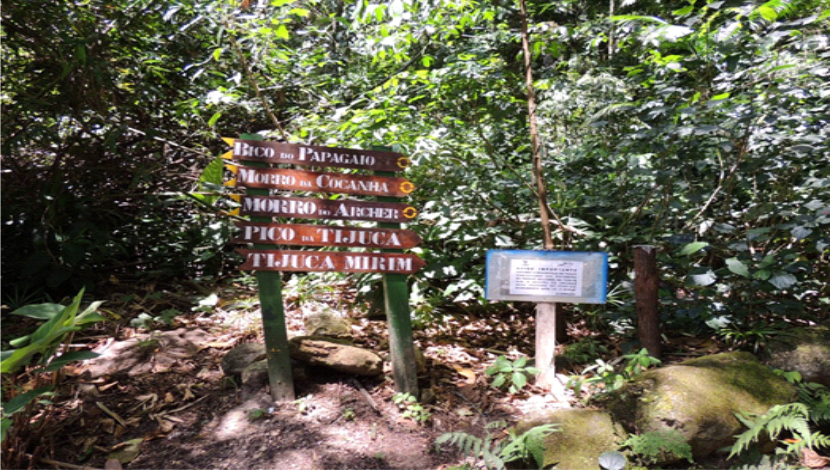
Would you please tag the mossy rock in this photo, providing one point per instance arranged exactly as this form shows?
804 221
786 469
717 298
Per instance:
700 398
805 350
584 435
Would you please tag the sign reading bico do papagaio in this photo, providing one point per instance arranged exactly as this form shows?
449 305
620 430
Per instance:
312 155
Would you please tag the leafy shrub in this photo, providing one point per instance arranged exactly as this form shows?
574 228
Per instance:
659 446
513 374
42 353
606 377
526 448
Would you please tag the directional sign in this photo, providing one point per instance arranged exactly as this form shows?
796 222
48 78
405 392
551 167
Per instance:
326 235
338 183
314 208
338 261
299 154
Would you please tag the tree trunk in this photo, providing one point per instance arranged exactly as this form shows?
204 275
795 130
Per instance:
646 299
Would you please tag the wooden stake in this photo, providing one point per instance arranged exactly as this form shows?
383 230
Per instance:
400 328
646 299
270 287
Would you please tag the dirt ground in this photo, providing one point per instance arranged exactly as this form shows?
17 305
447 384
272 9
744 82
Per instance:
157 399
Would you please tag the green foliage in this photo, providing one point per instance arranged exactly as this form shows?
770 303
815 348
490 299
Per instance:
526 448
607 377
41 352
584 350
659 446
511 374
794 426
752 337
411 408
60 323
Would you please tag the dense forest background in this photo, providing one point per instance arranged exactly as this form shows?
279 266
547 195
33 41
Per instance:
701 127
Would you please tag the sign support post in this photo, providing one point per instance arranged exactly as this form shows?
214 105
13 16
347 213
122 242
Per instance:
397 308
270 287
546 344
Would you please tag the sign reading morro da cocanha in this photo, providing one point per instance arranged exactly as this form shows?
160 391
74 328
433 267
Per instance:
301 180
312 155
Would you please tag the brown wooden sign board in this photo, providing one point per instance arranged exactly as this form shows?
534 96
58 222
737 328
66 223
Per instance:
326 235
335 183
312 155
327 209
330 261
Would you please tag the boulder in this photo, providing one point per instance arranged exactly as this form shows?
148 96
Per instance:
243 355
584 434
327 324
319 351
804 350
699 398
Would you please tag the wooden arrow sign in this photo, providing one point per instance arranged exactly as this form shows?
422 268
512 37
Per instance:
312 155
335 261
329 209
337 183
326 235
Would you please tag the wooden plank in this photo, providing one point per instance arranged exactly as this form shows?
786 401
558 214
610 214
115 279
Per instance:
313 155
334 183
326 235
330 261
400 328
328 209
270 287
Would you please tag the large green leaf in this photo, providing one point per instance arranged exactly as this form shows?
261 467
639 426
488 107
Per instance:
70 357
694 247
39 311
782 279
17 403
737 267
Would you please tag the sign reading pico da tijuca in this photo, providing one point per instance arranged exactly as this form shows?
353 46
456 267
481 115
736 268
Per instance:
326 235
265 233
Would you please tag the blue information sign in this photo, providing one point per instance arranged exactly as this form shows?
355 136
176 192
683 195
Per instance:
546 276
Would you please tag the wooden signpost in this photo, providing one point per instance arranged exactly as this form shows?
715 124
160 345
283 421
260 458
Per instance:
331 209
312 155
251 168
326 235
333 183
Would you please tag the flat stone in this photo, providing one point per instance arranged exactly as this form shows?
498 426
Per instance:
243 355
319 351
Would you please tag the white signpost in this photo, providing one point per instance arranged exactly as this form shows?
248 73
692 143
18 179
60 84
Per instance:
546 277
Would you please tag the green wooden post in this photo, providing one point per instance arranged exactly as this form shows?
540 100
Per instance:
270 287
399 325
